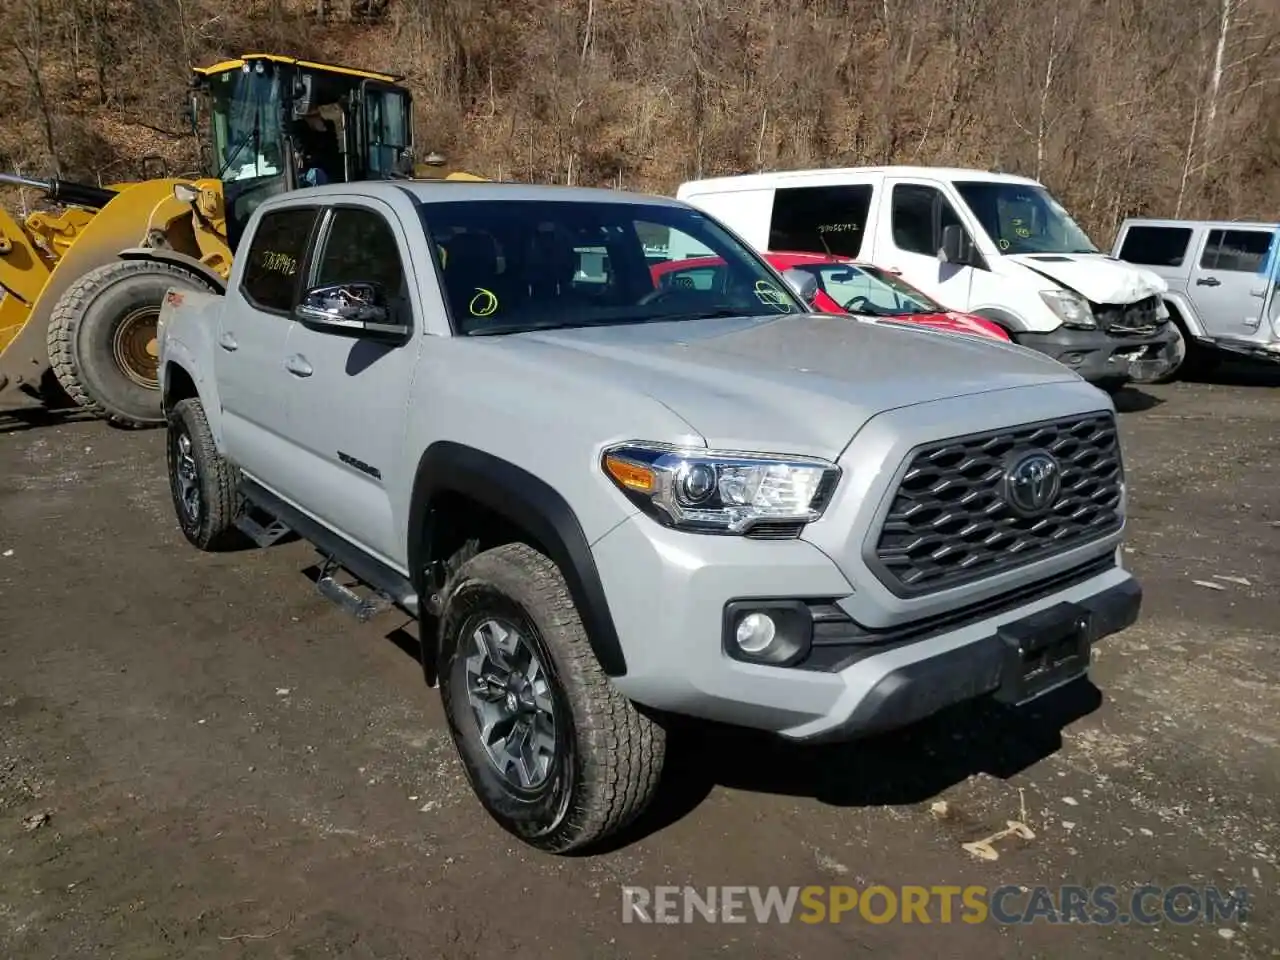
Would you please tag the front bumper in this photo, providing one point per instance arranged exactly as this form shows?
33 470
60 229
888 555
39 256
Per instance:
667 592
1100 357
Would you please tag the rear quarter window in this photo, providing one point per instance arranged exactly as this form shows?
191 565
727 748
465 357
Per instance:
1156 246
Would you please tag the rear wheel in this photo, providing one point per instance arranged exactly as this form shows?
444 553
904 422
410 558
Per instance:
556 755
201 481
103 341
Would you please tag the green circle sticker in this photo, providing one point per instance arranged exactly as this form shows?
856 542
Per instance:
484 303
771 296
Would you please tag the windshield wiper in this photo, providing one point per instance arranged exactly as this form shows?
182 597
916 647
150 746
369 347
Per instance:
499 329
719 313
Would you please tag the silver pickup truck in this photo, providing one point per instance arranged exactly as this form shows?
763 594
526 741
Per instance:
1224 285
609 502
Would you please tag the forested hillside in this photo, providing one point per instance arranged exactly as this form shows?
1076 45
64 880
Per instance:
1160 107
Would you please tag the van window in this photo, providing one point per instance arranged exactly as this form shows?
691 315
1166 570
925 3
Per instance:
1156 246
912 215
1243 251
820 219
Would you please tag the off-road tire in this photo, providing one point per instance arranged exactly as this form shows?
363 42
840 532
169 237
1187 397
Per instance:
213 528
82 327
608 755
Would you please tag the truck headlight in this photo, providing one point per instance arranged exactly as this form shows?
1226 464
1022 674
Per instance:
710 491
1071 308
1162 310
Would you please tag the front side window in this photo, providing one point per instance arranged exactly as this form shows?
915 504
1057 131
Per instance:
516 265
270 278
1023 218
1156 246
868 290
919 213
361 248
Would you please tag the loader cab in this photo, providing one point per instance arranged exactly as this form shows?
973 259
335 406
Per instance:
276 124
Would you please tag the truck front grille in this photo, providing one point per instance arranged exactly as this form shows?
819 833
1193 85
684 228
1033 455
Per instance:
949 522
1132 319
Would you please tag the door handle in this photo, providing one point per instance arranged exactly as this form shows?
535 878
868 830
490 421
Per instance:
1208 282
298 366
228 343
896 271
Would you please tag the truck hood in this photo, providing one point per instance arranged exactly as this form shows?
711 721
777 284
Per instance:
791 384
1097 276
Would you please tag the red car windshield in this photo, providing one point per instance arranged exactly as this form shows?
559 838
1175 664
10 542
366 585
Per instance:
869 290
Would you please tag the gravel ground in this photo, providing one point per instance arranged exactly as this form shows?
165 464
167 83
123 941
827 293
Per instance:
199 756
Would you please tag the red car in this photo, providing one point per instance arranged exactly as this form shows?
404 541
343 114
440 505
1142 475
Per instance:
844 286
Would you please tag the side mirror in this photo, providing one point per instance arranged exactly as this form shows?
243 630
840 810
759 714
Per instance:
351 308
802 283
957 248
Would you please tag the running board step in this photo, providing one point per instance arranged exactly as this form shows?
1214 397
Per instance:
263 534
363 609
389 587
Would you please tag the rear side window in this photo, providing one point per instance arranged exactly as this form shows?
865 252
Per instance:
270 279
1156 246
820 219
1242 251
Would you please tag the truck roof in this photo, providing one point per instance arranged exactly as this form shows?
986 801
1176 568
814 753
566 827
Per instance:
436 191
833 175
1224 224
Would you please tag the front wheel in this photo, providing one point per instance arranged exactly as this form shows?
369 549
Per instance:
555 754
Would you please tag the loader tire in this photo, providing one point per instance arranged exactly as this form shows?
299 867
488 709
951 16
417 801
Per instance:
102 338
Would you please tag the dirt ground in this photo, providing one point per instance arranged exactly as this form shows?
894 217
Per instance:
201 757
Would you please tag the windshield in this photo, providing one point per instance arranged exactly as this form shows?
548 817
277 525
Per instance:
1022 218
515 265
247 139
869 290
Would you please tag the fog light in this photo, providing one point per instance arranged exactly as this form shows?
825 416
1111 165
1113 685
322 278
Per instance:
773 632
755 632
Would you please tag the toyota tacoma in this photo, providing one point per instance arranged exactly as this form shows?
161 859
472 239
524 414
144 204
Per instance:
609 503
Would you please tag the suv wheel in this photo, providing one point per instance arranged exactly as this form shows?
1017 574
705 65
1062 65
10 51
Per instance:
204 495
557 756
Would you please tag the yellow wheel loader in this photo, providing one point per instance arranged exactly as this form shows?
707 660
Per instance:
82 289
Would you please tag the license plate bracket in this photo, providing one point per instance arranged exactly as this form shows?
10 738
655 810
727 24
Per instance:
1043 651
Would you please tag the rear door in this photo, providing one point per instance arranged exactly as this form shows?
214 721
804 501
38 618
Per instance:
252 332
1229 282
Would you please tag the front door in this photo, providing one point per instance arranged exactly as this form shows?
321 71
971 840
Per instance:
1229 282
347 408
917 214
251 337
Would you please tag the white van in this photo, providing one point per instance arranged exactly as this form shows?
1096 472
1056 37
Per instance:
991 244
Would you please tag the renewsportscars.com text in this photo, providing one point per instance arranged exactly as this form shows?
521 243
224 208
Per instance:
1007 904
